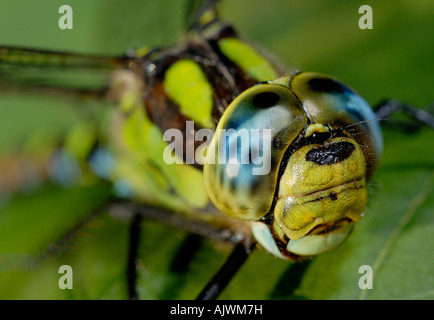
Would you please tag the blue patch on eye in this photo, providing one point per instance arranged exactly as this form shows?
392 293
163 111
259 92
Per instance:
357 111
235 121
360 110
240 116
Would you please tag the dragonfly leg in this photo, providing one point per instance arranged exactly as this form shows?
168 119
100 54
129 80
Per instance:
227 271
186 253
243 244
387 108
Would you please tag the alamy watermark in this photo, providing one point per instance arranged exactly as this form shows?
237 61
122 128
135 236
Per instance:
366 20
65 21
65 281
366 281
235 148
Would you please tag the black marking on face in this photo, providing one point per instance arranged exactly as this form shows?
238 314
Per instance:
326 85
331 153
318 137
265 100
333 196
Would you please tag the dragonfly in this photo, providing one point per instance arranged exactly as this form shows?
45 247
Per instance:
186 190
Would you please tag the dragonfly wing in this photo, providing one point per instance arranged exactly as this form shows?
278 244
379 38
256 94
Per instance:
28 70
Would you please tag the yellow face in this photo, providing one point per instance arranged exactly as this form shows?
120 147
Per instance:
321 184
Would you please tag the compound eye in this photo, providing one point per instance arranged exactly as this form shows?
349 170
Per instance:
328 101
246 150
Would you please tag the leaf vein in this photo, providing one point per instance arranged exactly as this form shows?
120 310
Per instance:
408 214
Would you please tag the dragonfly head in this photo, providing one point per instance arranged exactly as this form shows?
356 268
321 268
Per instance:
293 156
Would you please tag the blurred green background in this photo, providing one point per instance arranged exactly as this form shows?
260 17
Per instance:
394 60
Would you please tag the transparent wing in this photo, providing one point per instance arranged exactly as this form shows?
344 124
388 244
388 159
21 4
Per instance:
28 70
